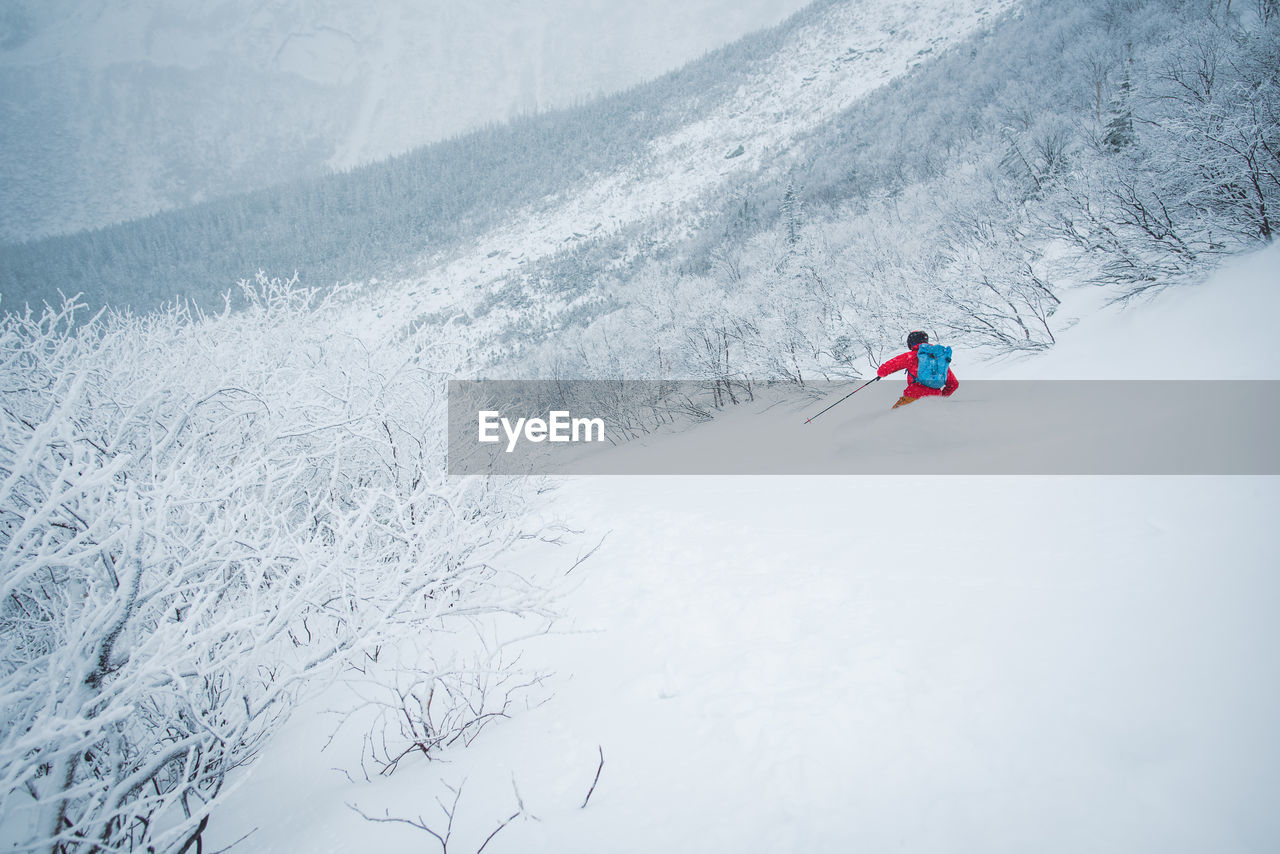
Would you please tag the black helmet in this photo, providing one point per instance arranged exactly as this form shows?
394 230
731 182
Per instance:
917 338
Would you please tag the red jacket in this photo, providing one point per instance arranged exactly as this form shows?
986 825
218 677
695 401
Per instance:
911 362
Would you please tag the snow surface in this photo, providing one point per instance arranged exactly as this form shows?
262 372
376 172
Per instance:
1221 330
874 663
987 427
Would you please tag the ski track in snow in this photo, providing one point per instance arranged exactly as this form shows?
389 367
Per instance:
795 664
826 68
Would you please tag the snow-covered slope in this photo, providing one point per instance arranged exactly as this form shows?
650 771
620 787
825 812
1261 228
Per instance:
997 423
819 71
801 664
1220 330
116 110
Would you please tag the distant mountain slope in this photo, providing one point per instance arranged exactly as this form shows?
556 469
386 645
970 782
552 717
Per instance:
117 110
653 157
783 124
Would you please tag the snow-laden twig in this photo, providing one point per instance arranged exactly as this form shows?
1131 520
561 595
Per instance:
594 782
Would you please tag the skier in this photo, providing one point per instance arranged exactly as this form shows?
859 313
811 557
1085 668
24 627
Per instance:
928 369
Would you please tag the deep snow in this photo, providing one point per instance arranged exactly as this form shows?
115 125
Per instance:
881 663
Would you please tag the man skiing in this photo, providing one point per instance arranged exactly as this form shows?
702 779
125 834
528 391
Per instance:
928 369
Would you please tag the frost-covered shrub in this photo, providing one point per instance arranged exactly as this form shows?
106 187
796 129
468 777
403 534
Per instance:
1186 167
199 517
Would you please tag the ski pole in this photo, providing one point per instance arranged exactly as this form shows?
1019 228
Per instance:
843 399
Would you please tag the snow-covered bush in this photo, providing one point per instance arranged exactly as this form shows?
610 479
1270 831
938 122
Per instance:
1186 165
199 518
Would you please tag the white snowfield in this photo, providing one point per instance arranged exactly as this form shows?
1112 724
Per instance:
916 664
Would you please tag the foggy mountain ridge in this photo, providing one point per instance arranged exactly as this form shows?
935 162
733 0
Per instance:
117 110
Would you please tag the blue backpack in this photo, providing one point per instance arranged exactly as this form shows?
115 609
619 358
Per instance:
934 360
